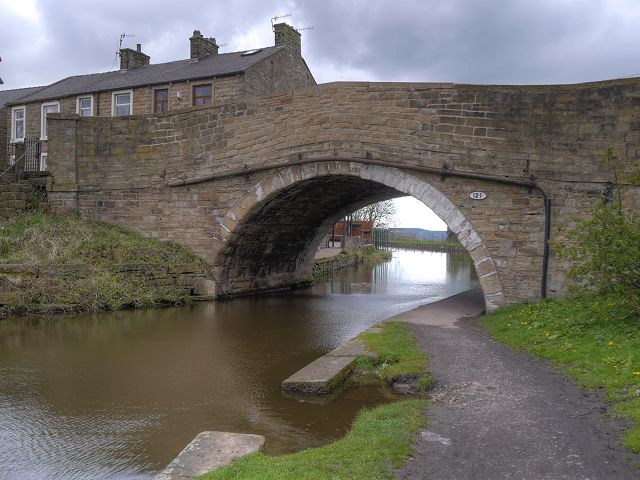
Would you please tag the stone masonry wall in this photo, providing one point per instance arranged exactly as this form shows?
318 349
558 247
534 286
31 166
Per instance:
261 78
5 118
190 277
19 195
128 170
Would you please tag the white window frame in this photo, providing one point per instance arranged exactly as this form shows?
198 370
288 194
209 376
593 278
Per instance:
43 162
113 102
43 118
13 123
82 97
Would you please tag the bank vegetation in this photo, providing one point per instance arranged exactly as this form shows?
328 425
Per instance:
594 334
90 266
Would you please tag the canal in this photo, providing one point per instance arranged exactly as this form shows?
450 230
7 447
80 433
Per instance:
118 395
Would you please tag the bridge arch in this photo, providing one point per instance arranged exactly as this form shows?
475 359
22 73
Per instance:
270 235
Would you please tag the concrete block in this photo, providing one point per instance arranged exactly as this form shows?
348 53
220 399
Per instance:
351 348
210 451
321 375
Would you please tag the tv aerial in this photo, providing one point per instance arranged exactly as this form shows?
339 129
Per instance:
278 17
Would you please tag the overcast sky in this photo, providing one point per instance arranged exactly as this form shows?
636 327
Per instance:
464 41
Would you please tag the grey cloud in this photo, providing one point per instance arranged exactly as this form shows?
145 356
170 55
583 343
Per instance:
478 41
489 41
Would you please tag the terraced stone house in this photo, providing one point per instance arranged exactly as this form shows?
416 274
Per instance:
139 87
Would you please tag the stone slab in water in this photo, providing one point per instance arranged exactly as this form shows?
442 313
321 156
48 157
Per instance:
209 451
321 375
351 348
324 374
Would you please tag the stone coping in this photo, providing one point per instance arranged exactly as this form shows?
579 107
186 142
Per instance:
210 451
326 373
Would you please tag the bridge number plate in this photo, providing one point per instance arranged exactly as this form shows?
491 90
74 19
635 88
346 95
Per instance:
477 195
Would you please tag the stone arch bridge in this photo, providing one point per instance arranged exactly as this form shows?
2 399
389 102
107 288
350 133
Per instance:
253 185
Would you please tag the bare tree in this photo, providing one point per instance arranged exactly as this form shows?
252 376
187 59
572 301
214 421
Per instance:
379 214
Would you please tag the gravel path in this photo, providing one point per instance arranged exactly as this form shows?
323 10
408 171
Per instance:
499 414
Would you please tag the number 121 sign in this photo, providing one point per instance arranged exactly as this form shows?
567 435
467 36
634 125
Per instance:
477 195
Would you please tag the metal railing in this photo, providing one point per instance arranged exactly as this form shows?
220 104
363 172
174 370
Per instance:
24 158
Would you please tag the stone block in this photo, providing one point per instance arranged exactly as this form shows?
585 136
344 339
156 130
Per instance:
320 376
204 286
185 280
210 451
351 348
6 297
18 268
193 267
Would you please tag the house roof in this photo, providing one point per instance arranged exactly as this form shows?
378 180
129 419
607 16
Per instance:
8 96
208 66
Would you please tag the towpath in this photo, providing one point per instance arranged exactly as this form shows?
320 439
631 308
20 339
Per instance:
500 414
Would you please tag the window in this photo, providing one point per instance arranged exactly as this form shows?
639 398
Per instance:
43 162
161 100
202 95
84 107
53 107
122 103
17 124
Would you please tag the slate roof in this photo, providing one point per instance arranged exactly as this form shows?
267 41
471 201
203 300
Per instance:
208 66
8 96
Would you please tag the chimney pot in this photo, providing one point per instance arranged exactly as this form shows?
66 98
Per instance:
201 46
133 58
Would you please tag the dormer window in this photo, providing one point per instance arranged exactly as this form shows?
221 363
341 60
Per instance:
202 95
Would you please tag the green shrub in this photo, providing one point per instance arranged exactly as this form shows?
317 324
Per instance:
604 251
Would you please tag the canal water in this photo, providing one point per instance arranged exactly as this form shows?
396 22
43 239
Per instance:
118 395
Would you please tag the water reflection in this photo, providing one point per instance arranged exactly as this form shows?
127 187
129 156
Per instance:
118 395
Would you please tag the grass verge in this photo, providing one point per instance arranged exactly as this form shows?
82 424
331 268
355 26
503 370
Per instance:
380 439
379 442
597 342
411 242
398 358
367 255
371 255
56 240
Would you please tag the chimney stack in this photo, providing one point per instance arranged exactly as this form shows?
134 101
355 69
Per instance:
133 58
201 46
288 37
